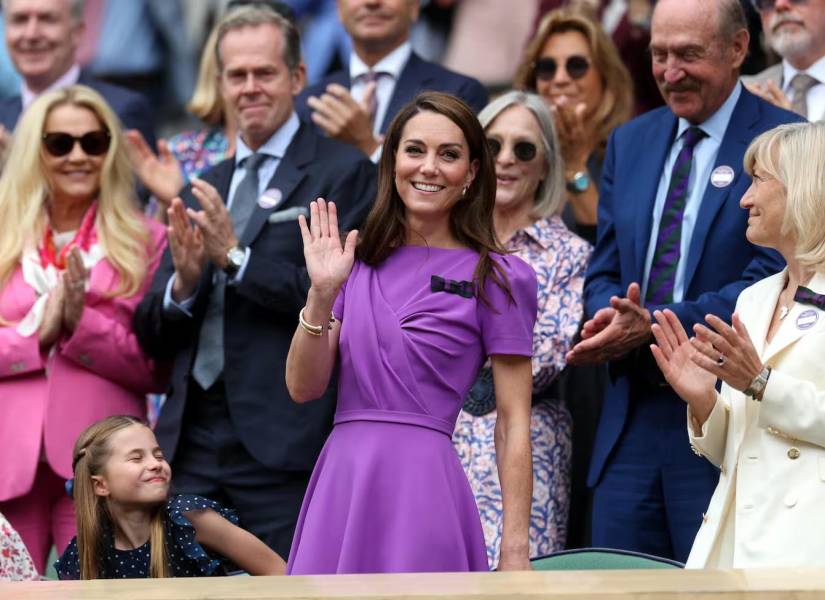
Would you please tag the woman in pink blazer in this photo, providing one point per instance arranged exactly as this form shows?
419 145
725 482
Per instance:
76 257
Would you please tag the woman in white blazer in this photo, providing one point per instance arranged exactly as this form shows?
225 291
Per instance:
765 429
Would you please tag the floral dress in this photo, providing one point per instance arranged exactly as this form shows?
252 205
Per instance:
15 562
187 558
559 259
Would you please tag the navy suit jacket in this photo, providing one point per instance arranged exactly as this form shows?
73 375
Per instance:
720 261
418 75
261 312
132 109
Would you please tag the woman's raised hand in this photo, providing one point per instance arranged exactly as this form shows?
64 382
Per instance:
328 262
160 173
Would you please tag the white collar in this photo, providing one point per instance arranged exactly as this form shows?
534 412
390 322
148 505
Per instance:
392 64
70 77
275 146
816 70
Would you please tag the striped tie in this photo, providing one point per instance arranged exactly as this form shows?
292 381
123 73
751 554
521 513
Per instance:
668 241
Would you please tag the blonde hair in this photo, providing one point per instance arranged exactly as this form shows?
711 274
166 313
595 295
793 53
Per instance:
91 451
616 106
207 101
24 191
550 194
794 154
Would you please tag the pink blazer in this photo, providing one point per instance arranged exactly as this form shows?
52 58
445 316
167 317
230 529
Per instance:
98 371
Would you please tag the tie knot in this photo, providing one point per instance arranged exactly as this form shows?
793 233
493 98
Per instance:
692 136
802 82
371 76
253 162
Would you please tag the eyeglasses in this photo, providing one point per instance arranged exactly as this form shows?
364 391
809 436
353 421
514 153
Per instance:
94 143
523 151
576 66
766 5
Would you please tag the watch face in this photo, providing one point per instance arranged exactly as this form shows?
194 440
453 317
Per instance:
235 256
580 182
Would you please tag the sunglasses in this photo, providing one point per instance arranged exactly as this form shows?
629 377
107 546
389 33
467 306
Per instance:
766 5
93 143
576 67
523 151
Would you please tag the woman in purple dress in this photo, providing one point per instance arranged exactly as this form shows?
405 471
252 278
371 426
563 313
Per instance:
410 312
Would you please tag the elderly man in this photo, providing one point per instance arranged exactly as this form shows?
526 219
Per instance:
42 38
671 234
796 31
356 105
225 301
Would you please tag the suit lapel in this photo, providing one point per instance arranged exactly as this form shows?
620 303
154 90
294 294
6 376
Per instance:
654 148
413 78
286 178
738 136
790 330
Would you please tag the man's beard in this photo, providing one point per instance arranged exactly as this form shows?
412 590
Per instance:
788 43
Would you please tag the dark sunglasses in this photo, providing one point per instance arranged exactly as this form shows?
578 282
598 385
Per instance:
93 143
523 151
575 65
766 5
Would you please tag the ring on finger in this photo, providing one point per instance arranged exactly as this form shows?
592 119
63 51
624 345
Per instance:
721 360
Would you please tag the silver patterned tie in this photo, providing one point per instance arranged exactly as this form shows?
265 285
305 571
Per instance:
209 358
801 85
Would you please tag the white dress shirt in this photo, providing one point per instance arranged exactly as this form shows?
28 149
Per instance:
816 95
70 77
390 68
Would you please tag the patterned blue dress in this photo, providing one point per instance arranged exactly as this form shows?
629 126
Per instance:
187 558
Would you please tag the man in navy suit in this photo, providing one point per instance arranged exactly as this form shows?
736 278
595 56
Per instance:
224 303
670 234
42 38
357 105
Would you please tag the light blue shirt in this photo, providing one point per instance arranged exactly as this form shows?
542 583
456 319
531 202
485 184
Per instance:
275 149
704 157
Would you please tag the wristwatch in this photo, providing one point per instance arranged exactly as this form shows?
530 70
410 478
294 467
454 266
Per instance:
234 260
757 386
579 182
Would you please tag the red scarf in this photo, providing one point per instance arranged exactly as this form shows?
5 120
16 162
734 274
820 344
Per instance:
83 239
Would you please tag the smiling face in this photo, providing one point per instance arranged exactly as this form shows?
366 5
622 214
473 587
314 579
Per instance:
796 30
42 38
256 82
765 200
73 177
516 181
135 474
432 166
562 88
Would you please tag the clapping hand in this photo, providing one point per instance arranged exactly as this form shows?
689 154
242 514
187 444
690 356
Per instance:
328 262
577 134
342 118
728 352
770 92
74 289
160 173
52 323
186 247
213 221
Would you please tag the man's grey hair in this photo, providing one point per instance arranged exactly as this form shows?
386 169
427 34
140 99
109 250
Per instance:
731 19
251 16
75 8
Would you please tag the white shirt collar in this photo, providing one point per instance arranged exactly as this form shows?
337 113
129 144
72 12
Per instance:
392 64
70 77
816 70
275 146
717 123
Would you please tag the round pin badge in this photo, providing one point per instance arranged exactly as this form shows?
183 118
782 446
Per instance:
721 176
270 198
807 319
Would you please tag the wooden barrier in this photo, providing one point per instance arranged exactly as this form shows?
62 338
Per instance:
796 584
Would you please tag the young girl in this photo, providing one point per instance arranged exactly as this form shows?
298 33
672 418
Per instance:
127 526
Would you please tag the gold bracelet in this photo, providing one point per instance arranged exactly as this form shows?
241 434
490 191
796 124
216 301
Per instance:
316 330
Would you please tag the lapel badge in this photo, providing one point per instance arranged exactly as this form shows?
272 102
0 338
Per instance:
807 319
722 176
270 198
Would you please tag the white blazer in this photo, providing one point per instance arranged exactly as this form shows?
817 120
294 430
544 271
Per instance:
771 454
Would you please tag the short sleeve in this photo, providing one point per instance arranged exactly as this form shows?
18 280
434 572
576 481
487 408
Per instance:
184 535
68 565
507 324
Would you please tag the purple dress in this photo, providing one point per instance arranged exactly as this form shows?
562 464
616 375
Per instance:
388 493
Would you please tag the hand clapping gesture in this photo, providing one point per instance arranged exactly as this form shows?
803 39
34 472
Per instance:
160 173
74 289
328 263
187 249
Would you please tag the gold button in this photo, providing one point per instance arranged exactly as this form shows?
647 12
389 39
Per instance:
793 453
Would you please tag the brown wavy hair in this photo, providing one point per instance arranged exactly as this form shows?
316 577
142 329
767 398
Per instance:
471 218
617 104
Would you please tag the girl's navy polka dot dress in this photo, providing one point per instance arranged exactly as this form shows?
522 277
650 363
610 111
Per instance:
187 558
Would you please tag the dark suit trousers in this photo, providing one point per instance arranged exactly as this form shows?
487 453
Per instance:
654 489
212 461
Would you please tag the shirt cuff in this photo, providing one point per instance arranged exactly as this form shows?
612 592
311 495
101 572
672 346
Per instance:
376 156
236 279
172 308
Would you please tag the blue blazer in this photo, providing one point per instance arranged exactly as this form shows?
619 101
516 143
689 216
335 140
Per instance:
132 109
720 261
261 312
417 76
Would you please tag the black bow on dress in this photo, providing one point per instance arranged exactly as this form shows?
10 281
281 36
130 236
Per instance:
465 289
